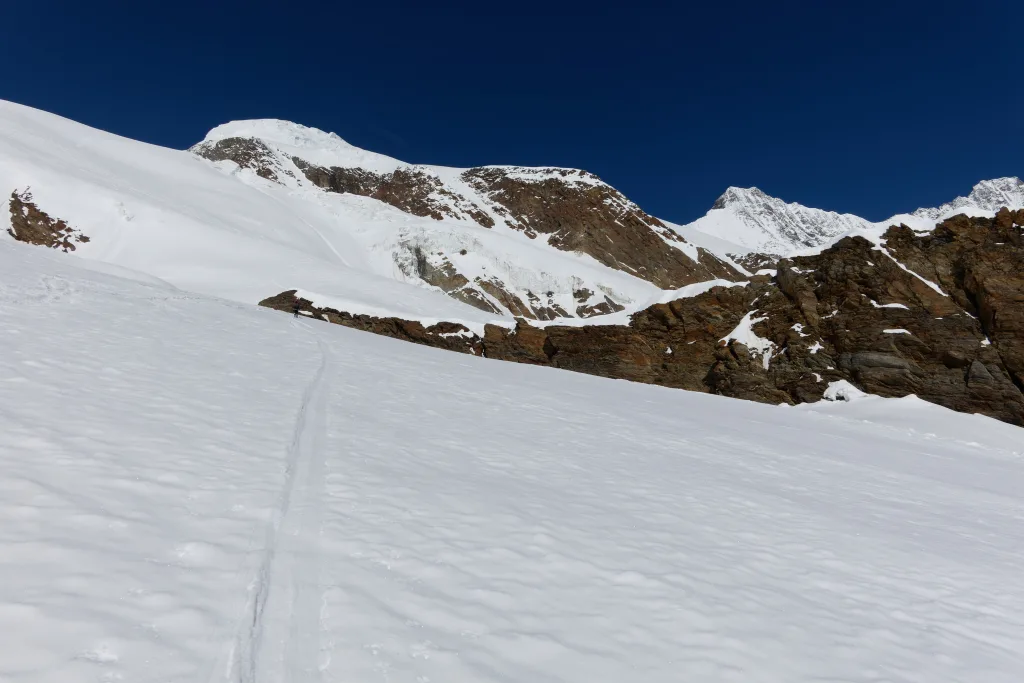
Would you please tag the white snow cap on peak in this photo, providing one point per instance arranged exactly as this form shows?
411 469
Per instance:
276 130
756 221
986 196
310 144
1001 191
739 195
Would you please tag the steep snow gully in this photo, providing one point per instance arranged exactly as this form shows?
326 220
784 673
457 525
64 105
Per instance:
278 636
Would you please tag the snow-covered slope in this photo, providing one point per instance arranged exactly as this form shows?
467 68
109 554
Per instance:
757 222
215 228
199 490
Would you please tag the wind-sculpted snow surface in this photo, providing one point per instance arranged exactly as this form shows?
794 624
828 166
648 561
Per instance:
199 490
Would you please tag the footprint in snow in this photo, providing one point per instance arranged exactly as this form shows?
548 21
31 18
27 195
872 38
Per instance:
101 654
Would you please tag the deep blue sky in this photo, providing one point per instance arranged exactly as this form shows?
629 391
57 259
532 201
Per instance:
867 107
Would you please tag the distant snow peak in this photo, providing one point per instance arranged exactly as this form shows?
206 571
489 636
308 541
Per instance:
739 196
758 222
279 131
987 195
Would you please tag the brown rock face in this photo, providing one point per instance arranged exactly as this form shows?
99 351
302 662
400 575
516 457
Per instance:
443 335
588 217
980 264
579 213
755 261
851 312
246 152
30 224
411 191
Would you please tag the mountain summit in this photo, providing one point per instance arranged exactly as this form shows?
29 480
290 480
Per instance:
759 222
551 209
985 199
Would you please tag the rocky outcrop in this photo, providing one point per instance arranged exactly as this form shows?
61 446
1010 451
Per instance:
755 261
578 212
488 294
443 335
247 153
437 270
408 189
871 315
980 264
31 224
573 209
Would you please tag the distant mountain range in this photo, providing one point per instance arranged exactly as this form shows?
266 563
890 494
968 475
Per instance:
759 222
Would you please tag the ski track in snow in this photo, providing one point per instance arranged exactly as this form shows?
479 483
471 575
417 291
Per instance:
287 581
198 490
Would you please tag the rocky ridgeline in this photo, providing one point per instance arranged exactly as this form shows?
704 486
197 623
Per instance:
595 219
939 315
572 210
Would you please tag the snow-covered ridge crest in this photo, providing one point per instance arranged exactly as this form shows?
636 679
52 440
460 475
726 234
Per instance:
564 209
329 149
310 144
430 243
278 130
756 221
986 197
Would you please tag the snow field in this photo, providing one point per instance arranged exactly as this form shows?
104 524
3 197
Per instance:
196 489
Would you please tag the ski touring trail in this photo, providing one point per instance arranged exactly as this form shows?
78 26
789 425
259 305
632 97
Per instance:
278 638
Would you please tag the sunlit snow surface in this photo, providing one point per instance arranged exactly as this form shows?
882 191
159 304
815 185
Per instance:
200 490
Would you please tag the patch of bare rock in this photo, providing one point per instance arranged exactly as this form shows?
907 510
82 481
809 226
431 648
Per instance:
31 224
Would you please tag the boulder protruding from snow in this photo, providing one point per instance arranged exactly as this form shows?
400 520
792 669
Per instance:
31 224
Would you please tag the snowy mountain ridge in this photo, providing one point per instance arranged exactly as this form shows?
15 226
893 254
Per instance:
567 210
420 243
759 222
985 198
329 149
263 207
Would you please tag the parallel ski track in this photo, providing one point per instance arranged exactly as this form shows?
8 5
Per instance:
284 592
